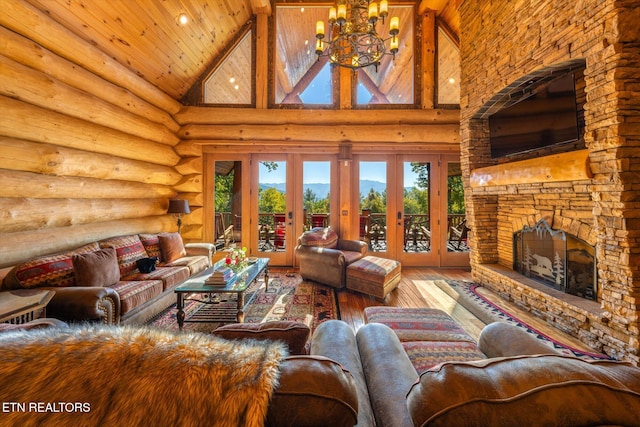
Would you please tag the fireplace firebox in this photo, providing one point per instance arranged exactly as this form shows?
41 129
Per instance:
556 259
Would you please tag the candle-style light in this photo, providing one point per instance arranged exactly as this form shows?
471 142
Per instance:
354 42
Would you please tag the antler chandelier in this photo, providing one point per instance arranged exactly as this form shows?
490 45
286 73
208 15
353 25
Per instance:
354 42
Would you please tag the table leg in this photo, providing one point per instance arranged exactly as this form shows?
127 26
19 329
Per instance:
266 278
180 307
240 315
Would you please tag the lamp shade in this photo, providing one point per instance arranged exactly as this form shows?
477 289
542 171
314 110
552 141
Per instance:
178 206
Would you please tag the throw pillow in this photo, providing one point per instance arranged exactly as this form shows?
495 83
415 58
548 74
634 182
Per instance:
320 238
294 334
171 246
99 268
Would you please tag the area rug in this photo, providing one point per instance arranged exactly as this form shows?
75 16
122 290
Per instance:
465 293
288 297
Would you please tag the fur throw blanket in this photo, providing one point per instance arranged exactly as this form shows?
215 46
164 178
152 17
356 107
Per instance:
102 375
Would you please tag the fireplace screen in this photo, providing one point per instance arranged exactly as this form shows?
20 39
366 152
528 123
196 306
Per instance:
556 259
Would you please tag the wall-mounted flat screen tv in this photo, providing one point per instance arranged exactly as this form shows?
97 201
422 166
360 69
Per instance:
545 117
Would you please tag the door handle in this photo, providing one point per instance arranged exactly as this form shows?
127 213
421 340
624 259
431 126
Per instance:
290 216
399 218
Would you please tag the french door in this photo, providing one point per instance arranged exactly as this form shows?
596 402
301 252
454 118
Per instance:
291 193
407 206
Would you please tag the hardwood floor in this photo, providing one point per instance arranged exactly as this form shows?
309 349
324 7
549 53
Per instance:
411 293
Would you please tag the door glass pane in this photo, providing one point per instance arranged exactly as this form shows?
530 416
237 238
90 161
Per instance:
228 204
373 205
272 206
456 218
316 185
417 224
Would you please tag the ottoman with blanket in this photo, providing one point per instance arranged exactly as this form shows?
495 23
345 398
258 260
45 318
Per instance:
373 276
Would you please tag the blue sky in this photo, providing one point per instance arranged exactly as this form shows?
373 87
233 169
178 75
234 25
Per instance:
318 172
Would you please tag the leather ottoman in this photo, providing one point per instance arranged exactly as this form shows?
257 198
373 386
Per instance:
373 276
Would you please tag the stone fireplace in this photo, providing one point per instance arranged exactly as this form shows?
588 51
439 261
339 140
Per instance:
590 190
556 259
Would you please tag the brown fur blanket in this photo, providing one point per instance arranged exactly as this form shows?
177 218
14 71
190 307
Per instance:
100 376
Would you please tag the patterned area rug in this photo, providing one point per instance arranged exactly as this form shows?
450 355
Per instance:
288 298
466 294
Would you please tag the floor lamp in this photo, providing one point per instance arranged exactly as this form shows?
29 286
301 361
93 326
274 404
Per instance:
178 207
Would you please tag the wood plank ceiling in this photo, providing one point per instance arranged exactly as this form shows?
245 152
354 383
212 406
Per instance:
146 37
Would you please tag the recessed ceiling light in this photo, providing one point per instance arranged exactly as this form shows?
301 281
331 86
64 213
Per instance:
236 87
302 9
232 79
452 80
183 19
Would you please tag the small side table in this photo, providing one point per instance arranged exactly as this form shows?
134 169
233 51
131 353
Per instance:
23 305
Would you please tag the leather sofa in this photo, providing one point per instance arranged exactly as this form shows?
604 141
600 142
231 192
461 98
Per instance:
324 257
100 281
519 381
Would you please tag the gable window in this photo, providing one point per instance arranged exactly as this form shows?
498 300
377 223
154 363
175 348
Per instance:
299 78
393 81
231 81
448 69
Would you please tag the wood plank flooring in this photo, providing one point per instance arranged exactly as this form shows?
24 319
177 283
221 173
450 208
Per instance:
410 294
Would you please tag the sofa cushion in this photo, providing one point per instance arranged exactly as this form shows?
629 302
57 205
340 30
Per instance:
313 391
128 248
527 390
320 238
151 244
294 334
171 246
427 354
99 268
47 271
170 276
195 263
132 293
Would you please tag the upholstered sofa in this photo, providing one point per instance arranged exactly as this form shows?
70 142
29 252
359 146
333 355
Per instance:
324 257
100 281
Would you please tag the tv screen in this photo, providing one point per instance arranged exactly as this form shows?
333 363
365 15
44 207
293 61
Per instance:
547 117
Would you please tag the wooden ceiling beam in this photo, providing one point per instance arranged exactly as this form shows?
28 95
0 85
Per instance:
261 7
437 5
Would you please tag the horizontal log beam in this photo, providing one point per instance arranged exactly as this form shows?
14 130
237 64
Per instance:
26 156
27 184
23 214
249 147
25 84
249 116
25 121
371 133
572 166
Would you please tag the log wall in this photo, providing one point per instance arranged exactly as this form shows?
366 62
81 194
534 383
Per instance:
87 148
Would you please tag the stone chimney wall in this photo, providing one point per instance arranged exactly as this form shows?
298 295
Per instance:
502 41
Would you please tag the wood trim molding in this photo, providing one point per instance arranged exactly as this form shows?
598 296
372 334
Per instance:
571 166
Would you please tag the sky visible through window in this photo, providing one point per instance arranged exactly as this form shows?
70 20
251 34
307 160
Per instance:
316 173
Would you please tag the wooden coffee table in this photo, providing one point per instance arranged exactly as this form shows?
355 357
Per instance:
195 289
23 305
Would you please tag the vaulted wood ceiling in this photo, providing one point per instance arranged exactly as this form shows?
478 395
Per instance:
146 37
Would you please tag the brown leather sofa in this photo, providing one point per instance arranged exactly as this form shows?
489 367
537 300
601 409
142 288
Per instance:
100 281
324 257
520 382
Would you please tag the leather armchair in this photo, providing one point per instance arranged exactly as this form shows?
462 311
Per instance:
324 257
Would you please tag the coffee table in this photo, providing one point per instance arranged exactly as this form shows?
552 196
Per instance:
195 289
23 305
